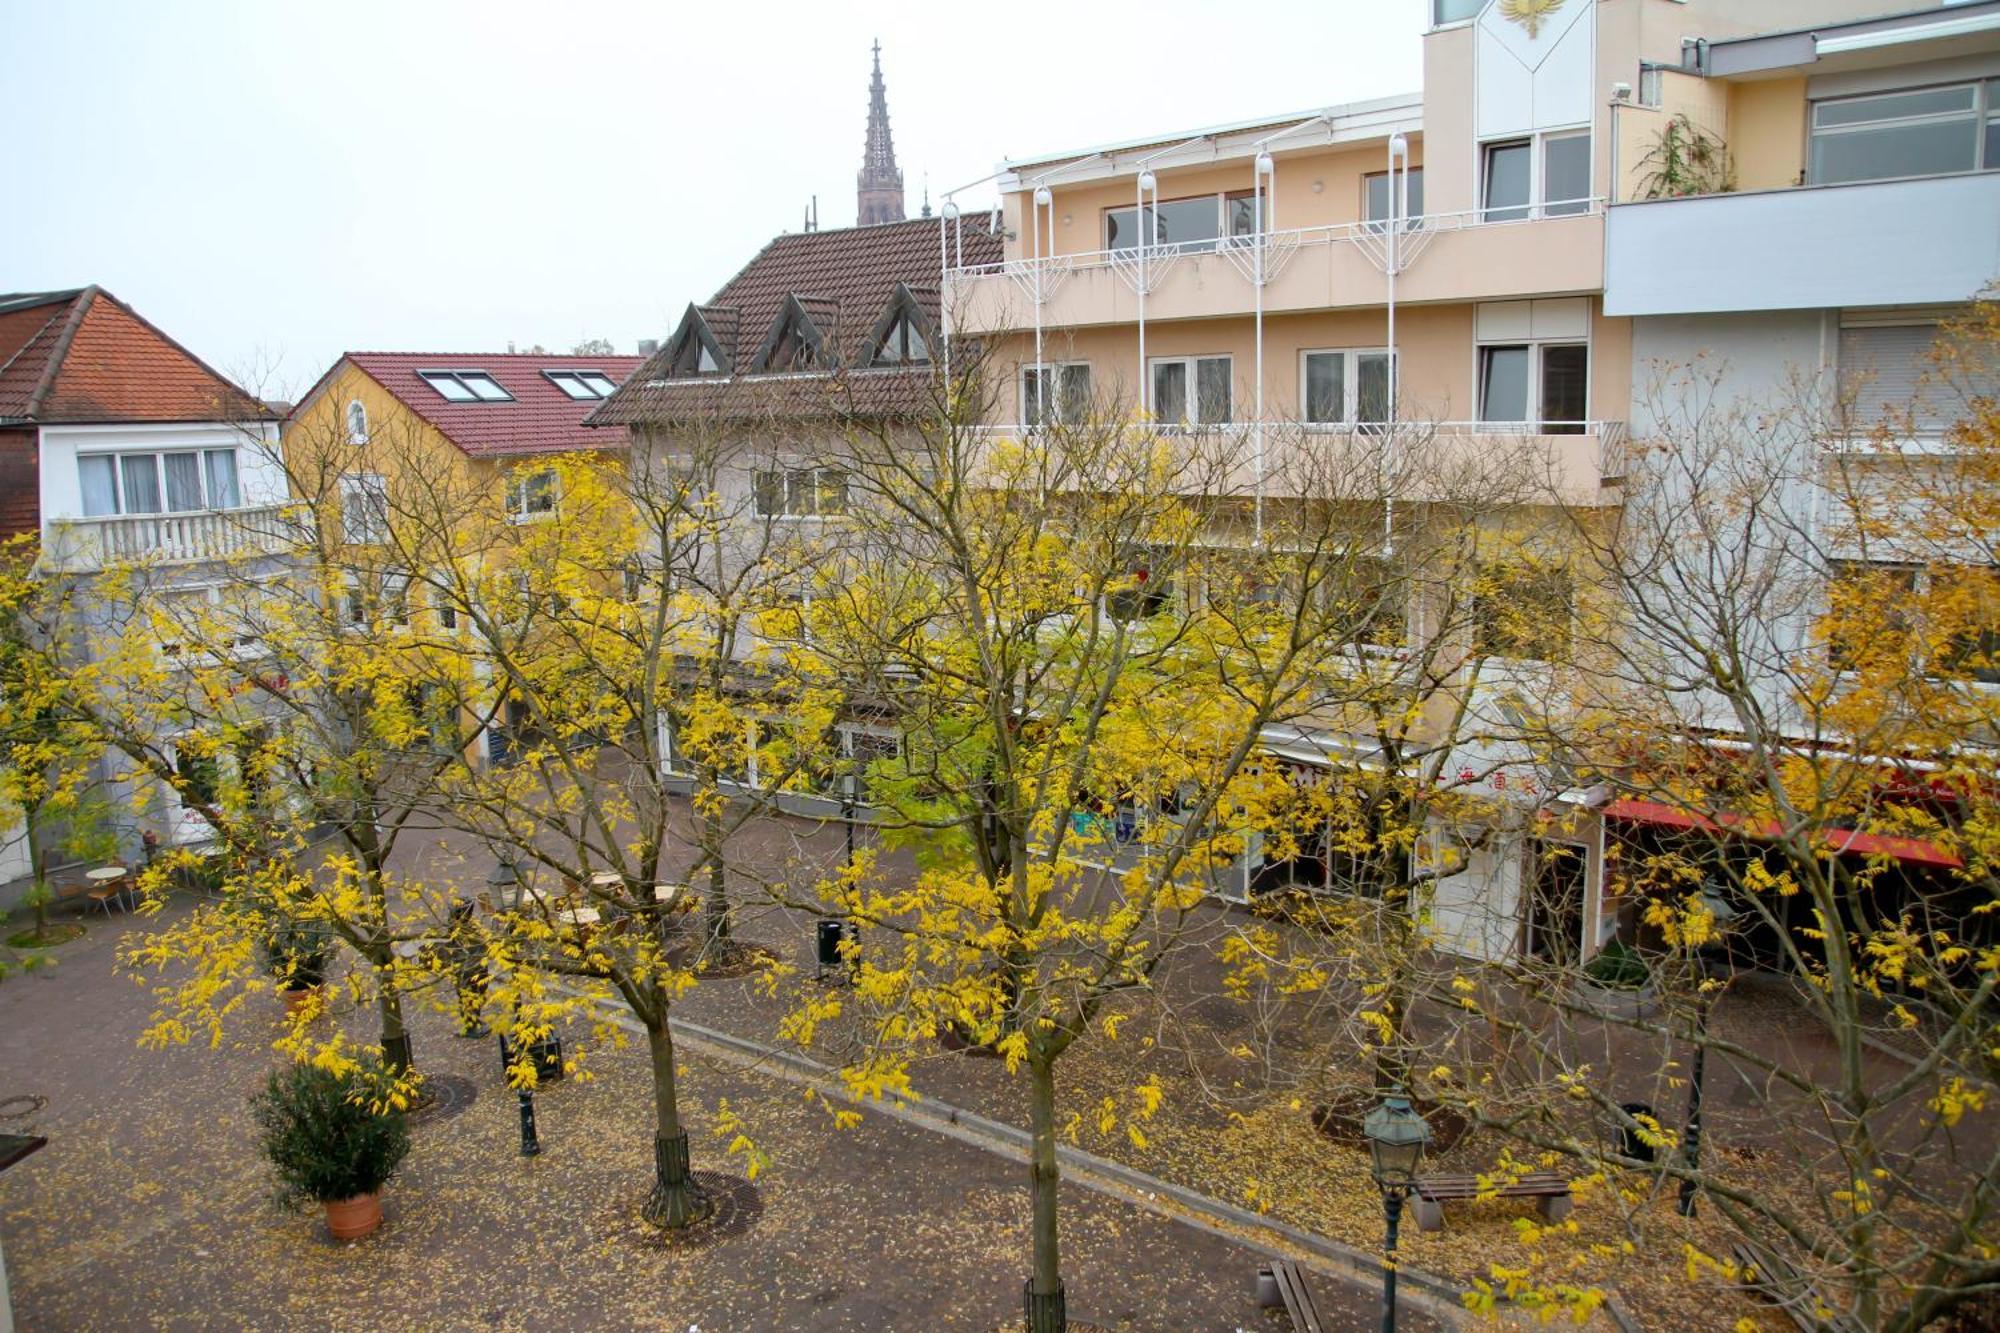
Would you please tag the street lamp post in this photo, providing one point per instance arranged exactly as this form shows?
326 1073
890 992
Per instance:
1396 1137
1706 956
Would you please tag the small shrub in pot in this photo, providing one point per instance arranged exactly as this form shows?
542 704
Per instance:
329 1144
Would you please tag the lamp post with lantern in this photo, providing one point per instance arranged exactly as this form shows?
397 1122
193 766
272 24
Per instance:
1396 1136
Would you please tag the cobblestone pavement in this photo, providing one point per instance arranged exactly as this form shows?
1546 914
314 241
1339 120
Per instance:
151 1209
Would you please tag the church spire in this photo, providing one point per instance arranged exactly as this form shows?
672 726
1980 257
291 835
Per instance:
879 192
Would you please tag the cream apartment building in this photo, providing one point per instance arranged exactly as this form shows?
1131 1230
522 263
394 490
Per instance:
1430 280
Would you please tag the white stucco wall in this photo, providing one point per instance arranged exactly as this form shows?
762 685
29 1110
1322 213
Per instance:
259 477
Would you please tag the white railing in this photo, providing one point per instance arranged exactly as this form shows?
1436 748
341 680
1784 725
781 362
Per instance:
186 538
1367 236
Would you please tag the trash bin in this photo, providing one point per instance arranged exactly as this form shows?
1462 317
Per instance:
830 934
1629 1142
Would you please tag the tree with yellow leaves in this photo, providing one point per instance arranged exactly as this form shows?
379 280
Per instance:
1081 636
1794 715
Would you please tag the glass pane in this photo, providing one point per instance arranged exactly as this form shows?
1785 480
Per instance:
572 386
1566 174
916 349
1212 384
1371 382
98 474
1893 106
1565 388
832 497
1242 211
1035 403
485 387
770 492
1074 392
1170 392
1503 384
1917 148
601 384
1454 11
1326 386
449 387
1507 181
1121 229
183 482
891 350
1188 221
142 483
1378 195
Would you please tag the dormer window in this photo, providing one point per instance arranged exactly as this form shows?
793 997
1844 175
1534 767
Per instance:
582 384
904 344
466 386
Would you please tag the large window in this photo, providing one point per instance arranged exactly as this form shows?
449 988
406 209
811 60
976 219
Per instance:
1346 387
1890 380
1192 391
173 483
1920 132
1055 393
1196 223
581 384
1544 176
805 492
364 509
1376 195
531 495
466 386
1875 608
1546 385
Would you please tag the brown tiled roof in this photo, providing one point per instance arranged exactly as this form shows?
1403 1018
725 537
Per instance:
94 359
541 419
845 279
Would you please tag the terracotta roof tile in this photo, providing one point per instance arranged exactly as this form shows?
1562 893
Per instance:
541 419
845 279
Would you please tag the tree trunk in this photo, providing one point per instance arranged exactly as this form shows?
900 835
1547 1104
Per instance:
38 891
396 1056
1043 1299
676 1200
718 888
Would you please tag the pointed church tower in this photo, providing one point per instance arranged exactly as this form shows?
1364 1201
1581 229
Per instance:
879 192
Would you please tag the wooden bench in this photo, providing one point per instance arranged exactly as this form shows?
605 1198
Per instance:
1550 1191
1292 1292
1779 1281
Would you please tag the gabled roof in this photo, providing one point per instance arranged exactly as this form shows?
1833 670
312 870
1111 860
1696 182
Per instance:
83 356
844 280
541 418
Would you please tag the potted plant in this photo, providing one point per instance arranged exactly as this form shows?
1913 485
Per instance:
298 955
329 1145
1618 983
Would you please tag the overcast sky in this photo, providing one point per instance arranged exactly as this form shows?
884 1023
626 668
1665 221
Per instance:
273 183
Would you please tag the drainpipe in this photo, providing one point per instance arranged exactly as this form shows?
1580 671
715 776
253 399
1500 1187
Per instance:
1399 204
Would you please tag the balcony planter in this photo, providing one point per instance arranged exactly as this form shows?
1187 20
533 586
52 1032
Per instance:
1617 983
329 1145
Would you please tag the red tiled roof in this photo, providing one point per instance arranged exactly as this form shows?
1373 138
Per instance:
541 419
92 358
846 280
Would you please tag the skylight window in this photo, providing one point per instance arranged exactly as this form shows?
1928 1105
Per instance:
591 384
466 386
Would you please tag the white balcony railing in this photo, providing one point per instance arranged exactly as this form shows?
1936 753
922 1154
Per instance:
1577 462
78 544
1039 279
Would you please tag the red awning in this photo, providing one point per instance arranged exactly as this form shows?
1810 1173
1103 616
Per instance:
1916 851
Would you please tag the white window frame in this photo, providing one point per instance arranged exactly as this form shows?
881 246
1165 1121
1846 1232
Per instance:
522 499
1350 385
1192 363
1539 205
1050 412
1984 113
204 477
794 481
357 488
1534 345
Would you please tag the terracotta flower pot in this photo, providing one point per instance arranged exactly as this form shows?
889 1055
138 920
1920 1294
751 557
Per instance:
297 999
351 1219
